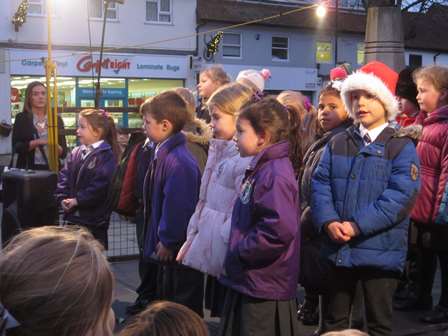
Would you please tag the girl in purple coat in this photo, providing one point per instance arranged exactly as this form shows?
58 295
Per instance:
261 266
84 181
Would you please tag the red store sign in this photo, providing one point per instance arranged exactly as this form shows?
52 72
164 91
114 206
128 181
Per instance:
85 64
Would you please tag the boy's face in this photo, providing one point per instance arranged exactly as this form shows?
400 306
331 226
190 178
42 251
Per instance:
368 109
330 112
156 131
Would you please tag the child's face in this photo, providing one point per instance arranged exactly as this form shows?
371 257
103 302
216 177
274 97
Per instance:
222 124
428 97
407 107
85 132
206 86
368 109
330 112
249 143
156 131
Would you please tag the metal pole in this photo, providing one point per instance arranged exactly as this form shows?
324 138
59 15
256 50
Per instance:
336 13
98 84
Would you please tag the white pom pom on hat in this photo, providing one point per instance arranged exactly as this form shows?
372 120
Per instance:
258 78
377 79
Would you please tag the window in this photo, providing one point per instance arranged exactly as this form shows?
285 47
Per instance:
158 11
36 7
96 9
360 53
323 52
279 48
231 45
415 61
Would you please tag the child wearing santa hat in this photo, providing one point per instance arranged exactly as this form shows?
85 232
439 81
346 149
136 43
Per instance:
362 192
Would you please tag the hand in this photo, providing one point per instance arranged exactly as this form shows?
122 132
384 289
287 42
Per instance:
68 204
350 229
183 251
335 231
163 253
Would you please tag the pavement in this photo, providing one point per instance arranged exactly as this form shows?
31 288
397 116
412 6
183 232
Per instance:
404 324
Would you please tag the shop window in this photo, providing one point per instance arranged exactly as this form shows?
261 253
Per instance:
36 7
415 61
323 52
158 11
360 56
96 9
280 48
231 45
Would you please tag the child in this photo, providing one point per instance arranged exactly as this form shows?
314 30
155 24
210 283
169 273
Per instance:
209 227
166 319
254 79
407 94
261 266
210 80
333 119
171 197
55 281
432 149
84 181
362 192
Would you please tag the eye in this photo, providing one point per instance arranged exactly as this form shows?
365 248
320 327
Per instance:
320 106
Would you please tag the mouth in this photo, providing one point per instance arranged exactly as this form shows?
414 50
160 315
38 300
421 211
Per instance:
362 114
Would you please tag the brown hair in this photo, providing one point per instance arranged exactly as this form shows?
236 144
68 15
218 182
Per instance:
55 281
270 116
217 74
435 74
189 99
169 106
230 98
27 108
329 90
102 122
347 332
166 319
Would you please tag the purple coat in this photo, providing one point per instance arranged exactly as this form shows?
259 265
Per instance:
173 196
263 256
88 181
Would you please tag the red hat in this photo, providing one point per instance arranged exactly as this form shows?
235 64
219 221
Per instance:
379 80
338 73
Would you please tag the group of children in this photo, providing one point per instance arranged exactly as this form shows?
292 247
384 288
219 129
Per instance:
276 181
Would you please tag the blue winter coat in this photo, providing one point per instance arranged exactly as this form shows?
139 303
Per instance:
374 186
88 181
173 196
263 256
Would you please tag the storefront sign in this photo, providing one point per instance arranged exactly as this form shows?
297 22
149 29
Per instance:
31 62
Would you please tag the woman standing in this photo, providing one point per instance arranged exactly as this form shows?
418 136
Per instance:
30 132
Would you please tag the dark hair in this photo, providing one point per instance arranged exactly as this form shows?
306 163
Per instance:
101 121
166 319
27 108
330 90
167 106
270 116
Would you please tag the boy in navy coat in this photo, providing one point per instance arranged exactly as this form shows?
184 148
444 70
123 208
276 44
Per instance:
170 196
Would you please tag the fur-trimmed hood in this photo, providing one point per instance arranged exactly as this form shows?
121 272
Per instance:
198 132
413 131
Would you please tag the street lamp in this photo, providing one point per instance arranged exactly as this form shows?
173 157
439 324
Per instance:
321 11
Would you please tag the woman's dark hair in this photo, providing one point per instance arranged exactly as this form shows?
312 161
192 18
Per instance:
28 92
101 121
270 116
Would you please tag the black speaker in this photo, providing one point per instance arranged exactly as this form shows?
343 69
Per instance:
28 200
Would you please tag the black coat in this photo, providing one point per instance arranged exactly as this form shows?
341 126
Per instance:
23 132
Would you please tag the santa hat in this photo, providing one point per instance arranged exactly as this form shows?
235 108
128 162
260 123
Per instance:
341 72
256 77
377 79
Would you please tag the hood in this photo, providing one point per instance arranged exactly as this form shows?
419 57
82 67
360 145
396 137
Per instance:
198 132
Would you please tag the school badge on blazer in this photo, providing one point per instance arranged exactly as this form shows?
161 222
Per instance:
92 164
246 191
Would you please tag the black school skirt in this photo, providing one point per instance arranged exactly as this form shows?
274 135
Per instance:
247 316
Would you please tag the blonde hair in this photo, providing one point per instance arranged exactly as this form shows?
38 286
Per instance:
230 98
248 83
166 319
55 281
217 74
435 74
347 332
188 97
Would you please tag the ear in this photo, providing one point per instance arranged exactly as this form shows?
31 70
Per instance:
444 95
264 139
167 126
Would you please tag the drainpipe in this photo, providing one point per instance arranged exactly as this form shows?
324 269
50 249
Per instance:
434 58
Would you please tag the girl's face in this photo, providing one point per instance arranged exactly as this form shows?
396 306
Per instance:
38 98
222 124
85 132
330 112
206 86
407 107
428 97
249 143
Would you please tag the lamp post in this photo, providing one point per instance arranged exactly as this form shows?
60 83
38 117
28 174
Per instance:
336 13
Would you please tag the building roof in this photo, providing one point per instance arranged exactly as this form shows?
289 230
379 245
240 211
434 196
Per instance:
421 31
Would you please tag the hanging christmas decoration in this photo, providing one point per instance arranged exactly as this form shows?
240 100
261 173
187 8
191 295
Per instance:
212 46
19 17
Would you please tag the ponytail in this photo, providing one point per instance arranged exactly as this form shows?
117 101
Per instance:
111 137
295 144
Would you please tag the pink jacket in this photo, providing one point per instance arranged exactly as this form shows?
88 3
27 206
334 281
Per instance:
209 228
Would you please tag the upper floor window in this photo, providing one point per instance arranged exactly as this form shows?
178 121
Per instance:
323 52
415 60
159 11
231 45
36 7
96 9
280 48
